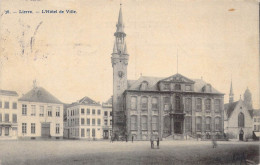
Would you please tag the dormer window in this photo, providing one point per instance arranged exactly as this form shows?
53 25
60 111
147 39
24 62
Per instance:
144 85
177 87
207 88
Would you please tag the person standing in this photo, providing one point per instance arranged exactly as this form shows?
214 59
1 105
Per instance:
126 138
132 138
158 141
151 140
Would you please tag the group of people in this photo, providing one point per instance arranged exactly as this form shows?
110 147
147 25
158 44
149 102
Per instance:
152 143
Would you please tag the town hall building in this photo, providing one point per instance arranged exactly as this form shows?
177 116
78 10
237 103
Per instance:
154 107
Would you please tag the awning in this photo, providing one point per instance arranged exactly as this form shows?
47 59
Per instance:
257 134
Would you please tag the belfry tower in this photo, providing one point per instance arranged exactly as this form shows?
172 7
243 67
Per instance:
119 61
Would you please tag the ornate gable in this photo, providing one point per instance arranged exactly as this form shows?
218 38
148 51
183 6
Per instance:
178 78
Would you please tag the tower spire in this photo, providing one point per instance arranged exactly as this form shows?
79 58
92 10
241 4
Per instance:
120 24
231 94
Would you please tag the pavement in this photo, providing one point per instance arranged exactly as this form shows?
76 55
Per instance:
126 153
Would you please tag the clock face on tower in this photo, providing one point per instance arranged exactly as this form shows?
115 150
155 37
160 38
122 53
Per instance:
120 74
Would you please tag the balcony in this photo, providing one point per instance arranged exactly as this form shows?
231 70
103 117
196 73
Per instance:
6 123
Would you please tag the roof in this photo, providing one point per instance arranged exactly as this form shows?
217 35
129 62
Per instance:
229 108
85 101
8 93
39 94
153 81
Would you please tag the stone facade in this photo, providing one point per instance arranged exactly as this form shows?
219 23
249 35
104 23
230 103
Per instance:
158 111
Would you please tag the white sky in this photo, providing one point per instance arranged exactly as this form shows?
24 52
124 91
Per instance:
70 56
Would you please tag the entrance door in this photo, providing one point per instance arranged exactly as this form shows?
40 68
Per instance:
241 136
105 134
46 130
177 127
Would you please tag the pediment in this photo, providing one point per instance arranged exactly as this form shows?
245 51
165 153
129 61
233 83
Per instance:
178 78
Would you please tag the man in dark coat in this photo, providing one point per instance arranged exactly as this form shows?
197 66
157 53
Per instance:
158 141
132 138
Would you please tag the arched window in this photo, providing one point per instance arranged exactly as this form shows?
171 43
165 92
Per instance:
198 104
144 85
166 103
217 124
154 103
198 123
217 105
188 105
178 103
133 122
241 120
155 122
208 123
207 104
144 123
133 103
144 104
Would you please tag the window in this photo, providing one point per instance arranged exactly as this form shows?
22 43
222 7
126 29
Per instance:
93 111
6 105
32 128
24 109
188 123
88 132
144 104
154 103
198 123
166 103
144 85
82 132
208 123
41 110
178 87
133 103
110 113
155 122
198 104
133 121
217 105
24 128
98 122
254 128
105 113
98 112
188 105
111 122
178 103
88 121
188 88
6 131
14 118
7 117
105 121
217 124
33 110
144 123
88 111
82 112
0 103
93 132
241 120
82 121
0 117
57 111
49 109
93 122
14 105
207 104
57 128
